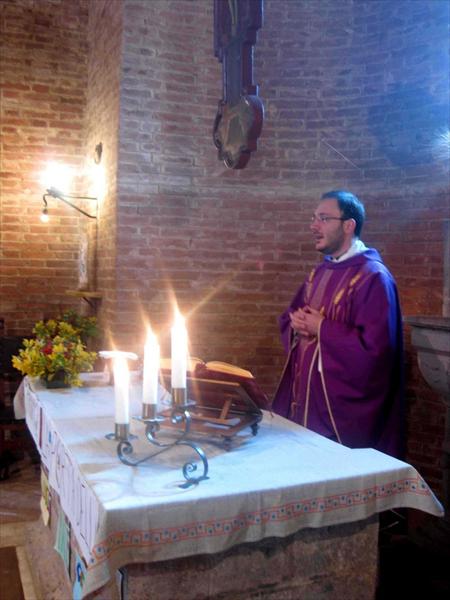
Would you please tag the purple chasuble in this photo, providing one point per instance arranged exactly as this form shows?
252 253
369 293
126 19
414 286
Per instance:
347 383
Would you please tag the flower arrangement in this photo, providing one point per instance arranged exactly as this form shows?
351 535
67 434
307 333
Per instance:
58 349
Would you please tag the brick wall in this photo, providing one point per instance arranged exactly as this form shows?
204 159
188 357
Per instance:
43 80
355 94
344 90
104 37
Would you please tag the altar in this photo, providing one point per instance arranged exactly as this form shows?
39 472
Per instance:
280 511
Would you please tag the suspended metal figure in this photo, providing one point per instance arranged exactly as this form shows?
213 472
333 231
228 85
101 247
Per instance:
239 118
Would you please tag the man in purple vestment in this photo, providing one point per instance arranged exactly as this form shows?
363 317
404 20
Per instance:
343 335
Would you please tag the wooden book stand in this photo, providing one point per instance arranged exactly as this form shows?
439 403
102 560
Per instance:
221 407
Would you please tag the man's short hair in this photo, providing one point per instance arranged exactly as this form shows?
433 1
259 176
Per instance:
350 206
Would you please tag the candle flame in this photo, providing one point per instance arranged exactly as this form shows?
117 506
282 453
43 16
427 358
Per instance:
150 369
151 337
151 343
179 352
179 319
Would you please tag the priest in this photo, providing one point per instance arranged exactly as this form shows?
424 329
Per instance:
343 337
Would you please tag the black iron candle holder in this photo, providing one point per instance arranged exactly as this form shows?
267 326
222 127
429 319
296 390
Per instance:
181 417
121 432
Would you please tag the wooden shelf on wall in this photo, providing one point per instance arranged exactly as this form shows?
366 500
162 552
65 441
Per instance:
91 297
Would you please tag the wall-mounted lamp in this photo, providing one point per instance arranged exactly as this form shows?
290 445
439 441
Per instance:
54 193
98 153
44 213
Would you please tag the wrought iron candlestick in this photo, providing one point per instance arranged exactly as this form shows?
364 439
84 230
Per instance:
179 416
121 432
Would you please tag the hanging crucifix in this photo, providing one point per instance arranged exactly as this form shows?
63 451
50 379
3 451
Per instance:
240 114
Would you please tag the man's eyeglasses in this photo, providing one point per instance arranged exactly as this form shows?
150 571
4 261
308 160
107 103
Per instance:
325 219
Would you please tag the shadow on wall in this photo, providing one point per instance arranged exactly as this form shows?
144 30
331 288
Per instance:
410 126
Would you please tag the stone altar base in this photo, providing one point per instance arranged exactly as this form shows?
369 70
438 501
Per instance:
329 563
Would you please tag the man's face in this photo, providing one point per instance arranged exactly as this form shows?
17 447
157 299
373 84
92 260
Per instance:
331 236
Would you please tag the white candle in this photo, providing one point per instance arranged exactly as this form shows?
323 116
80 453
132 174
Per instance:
179 352
121 390
151 369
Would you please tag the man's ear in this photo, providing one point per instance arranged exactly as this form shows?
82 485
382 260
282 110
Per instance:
350 226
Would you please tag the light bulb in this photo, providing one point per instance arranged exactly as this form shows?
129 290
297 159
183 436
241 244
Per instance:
58 176
44 216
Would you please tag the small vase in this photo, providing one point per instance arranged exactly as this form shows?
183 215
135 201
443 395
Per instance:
58 381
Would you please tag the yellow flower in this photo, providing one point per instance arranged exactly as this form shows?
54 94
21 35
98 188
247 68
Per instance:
57 348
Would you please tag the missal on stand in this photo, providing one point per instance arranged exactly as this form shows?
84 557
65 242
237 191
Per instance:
222 398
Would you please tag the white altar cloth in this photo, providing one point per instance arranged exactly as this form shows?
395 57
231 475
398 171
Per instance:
283 479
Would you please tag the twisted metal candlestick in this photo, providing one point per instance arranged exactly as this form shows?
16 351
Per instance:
180 414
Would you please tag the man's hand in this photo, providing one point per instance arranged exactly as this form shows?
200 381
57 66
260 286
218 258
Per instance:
306 321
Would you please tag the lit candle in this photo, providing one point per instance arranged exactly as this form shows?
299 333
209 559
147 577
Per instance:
151 369
121 390
179 353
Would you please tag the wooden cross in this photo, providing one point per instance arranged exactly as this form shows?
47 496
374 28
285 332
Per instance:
240 114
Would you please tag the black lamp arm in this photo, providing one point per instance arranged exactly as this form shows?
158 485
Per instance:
60 196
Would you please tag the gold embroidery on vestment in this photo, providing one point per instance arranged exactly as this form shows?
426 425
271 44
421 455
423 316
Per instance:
365 278
354 279
338 296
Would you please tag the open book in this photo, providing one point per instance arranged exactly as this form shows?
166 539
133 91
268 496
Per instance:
195 364
222 373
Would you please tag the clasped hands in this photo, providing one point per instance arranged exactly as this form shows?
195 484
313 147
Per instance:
306 321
